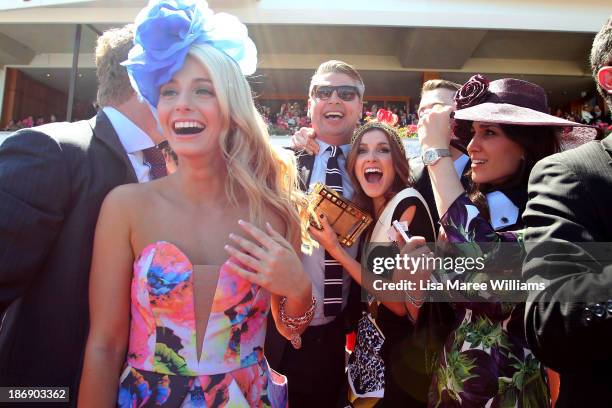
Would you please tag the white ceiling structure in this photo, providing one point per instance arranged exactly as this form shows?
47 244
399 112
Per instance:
390 41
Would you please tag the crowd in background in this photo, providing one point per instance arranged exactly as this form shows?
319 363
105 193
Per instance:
286 120
590 114
293 115
28 122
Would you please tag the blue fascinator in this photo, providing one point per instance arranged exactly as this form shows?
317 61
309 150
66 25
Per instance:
165 30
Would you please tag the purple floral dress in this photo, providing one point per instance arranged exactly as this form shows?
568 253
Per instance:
486 361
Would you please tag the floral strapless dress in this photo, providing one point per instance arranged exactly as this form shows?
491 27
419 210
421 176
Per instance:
162 368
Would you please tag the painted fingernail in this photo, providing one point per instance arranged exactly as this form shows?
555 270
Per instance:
241 222
231 235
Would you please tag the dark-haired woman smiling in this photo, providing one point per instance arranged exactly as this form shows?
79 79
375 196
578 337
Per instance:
486 361
388 366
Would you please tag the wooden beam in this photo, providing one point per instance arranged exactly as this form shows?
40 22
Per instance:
10 91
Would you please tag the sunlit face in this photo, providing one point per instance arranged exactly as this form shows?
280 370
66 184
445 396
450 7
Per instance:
334 119
189 111
495 157
440 96
374 165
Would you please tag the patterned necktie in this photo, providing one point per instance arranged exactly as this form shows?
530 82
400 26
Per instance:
332 289
154 158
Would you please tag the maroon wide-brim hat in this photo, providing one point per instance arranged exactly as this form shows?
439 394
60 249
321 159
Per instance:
512 101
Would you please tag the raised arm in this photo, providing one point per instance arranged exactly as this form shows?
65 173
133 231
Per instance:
34 195
109 301
435 133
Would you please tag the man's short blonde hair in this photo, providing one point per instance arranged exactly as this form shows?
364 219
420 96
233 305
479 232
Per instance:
112 49
434 84
338 67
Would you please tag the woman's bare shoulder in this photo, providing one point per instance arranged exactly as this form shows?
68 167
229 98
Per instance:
130 196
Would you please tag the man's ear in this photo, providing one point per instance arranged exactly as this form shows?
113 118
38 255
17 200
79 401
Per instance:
604 77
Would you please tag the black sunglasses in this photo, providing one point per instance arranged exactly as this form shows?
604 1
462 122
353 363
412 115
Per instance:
345 92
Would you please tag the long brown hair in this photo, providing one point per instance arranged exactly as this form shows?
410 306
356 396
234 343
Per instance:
400 165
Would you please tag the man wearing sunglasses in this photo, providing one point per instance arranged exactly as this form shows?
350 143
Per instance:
316 370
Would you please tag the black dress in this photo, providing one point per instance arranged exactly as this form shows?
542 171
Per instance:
402 362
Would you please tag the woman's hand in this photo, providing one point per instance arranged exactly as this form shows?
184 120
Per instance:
304 139
434 128
435 133
326 236
277 267
416 247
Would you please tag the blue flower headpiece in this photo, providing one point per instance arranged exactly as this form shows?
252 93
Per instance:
165 30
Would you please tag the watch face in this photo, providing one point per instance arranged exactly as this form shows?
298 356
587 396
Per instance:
429 156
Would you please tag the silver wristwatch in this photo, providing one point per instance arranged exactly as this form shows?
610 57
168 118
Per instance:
431 156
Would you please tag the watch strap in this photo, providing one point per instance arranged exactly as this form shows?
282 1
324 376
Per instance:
433 155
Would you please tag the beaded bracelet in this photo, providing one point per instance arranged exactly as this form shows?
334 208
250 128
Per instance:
296 323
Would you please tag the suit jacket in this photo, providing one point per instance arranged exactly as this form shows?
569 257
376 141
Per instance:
570 204
52 182
275 342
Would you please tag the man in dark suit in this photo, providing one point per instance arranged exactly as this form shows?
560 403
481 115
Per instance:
53 179
316 371
569 230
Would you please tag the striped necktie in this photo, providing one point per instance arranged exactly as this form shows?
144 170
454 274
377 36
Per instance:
332 289
154 158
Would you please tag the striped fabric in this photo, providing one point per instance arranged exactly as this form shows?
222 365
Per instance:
332 290
154 158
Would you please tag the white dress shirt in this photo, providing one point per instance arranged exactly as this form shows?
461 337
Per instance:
503 211
460 164
134 141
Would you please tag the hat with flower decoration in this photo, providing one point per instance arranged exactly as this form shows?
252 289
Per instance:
165 31
512 101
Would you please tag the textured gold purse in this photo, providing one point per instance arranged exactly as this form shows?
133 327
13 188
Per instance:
346 219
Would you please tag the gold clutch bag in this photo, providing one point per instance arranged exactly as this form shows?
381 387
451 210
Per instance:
346 219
